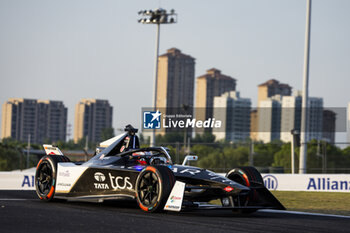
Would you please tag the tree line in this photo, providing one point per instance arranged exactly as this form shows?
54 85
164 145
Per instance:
217 156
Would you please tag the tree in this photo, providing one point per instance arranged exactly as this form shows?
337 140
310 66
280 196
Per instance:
282 158
107 133
264 153
202 150
204 138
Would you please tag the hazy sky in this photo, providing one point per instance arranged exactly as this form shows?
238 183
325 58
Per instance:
73 49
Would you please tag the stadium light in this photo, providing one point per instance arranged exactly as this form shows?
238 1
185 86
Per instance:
305 98
158 16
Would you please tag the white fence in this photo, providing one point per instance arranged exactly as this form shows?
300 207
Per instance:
280 182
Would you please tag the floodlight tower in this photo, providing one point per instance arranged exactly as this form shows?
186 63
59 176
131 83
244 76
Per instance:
304 122
158 17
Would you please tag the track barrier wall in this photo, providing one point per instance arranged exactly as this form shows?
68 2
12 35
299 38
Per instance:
280 182
17 180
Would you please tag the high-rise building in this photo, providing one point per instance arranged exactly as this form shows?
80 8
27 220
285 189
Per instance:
315 119
266 90
41 120
273 87
254 124
209 85
175 80
234 113
175 85
52 120
92 116
269 119
291 116
328 126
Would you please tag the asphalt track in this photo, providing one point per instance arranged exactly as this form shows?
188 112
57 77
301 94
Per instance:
22 211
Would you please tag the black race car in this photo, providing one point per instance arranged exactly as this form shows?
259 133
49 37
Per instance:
147 175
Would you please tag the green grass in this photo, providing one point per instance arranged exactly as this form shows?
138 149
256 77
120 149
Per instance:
316 202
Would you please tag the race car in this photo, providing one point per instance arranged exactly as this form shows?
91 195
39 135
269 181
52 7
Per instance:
123 170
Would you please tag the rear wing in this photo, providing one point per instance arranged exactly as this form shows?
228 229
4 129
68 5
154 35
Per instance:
52 150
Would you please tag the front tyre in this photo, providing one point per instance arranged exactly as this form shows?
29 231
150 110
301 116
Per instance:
45 176
153 187
250 177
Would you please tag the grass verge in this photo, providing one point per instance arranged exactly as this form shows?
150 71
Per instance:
315 202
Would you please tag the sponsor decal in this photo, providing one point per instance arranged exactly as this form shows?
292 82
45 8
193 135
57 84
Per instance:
172 207
50 148
174 198
28 181
270 182
100 177
64 173
64 184
101 186
327 184
174 202
151 119
191 171
120 182
187 170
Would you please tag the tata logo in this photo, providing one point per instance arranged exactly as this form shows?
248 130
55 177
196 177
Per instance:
99 177
101 186
270 182
151 120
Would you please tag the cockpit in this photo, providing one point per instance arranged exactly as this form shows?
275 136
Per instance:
125 150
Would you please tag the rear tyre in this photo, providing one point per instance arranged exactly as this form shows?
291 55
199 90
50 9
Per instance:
153 187
45 176
250 177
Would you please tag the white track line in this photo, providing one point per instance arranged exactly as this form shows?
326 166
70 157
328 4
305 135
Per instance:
304 213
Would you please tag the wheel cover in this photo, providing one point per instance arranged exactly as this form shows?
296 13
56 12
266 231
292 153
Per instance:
44 178
148 191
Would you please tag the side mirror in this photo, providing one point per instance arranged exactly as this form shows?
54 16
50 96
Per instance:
189 158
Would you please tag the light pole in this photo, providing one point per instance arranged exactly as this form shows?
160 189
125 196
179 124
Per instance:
295 140
158 17
304 126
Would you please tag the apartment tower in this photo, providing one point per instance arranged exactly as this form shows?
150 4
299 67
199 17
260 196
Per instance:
234 113
92 116
41 120
267 90
209 85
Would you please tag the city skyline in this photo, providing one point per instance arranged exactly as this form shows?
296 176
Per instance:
69 51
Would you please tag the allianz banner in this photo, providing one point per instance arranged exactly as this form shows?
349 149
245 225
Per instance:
308 182
17 180
278 182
